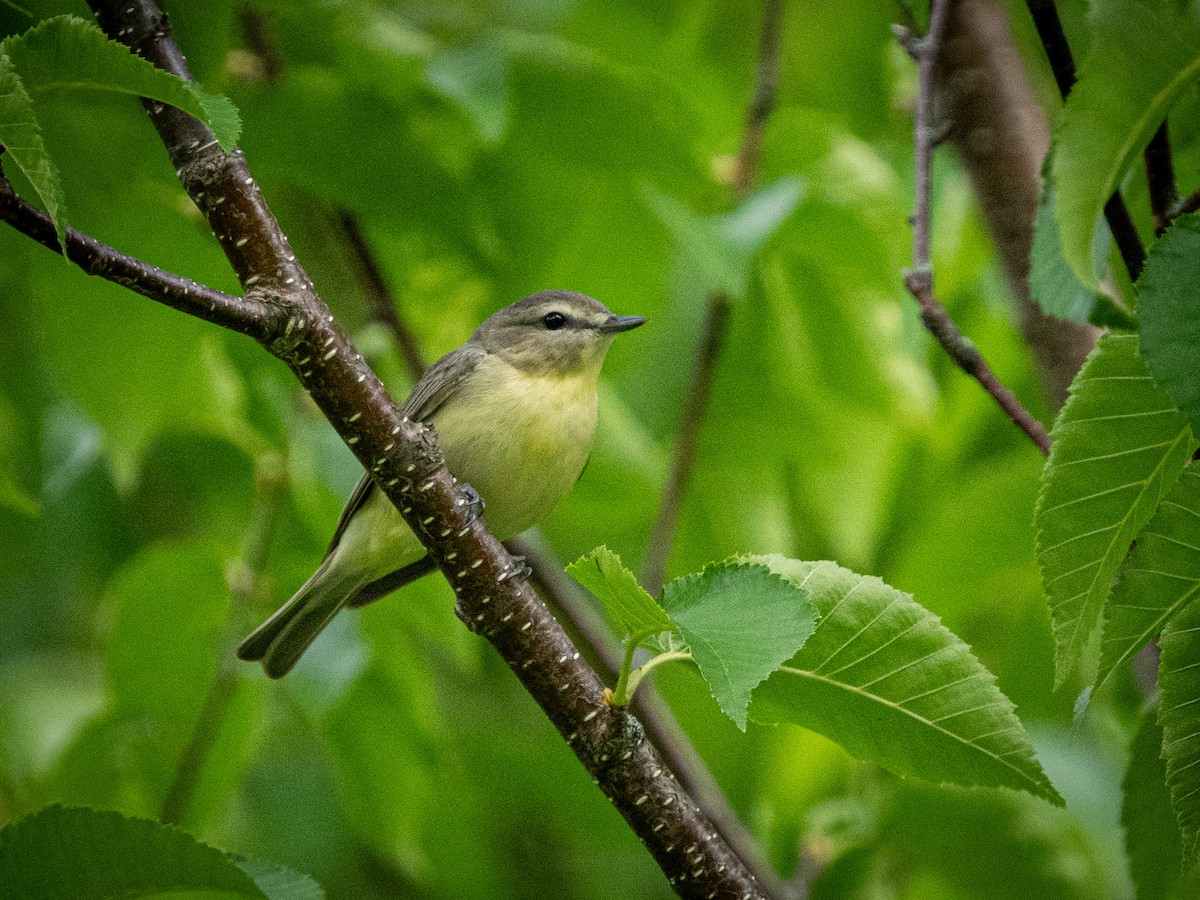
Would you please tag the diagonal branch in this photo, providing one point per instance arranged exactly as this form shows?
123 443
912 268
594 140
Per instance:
716 316
283 311
1160 179
919 279
564 597
241 314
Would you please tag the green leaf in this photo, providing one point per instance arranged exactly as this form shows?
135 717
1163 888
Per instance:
1167 309
1051 282
723 247
276 881
1179 677
170 603
740 622
22 139
66 52
627 603
1118 446
1151 832
1160 577
475 77
75 852
884 678
1144 54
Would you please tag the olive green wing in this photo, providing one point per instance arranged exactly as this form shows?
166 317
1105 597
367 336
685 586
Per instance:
434 388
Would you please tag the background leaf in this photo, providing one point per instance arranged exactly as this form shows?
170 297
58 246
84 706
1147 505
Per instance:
740 622
1179 715
1052 283
1151 831
1160 577
886 680
1167 312
65 852
1144 54
1119 445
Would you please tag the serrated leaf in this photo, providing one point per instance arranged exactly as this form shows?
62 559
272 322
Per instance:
627 603
1118 446
1159 578
1179 678
722 247
66 52
884 678
75 852
22 139
277 881
1151 833
1167 310
1144 53
741 622
1051 282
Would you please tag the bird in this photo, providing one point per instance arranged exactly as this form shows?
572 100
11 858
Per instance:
515 413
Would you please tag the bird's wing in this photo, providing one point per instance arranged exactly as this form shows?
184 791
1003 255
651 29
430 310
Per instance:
441 380
434 388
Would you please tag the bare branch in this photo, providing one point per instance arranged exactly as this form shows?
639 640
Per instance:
919 279
1160 179
691 422
379 295
247 316
998 130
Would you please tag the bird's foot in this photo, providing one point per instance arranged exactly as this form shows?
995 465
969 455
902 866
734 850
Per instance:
517 568
469 497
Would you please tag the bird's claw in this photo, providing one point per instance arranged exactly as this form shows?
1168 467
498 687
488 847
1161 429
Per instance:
472 501
518 568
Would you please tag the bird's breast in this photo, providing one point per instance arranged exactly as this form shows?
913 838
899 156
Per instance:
520 439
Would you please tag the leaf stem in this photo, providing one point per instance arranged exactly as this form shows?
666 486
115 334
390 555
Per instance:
622 693
636 676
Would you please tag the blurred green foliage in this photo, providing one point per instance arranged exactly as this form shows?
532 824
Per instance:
164 485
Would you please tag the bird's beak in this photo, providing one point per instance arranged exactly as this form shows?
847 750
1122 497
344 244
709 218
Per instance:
617 324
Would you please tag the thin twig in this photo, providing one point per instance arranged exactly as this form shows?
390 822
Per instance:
244 584
1160 179
1058 51
236 313
687 443
716 316
379 294
919 279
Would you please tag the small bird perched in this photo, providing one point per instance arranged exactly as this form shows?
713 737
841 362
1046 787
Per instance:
515 413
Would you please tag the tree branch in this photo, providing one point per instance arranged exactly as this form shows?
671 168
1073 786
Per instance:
919 279
247 316
599 644
1058 51
1160 179
716 316
403 457
379 295
999 132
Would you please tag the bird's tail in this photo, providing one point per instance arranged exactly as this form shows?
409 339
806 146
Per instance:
281 640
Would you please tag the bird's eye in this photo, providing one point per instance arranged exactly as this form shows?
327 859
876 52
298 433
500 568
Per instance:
554 320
